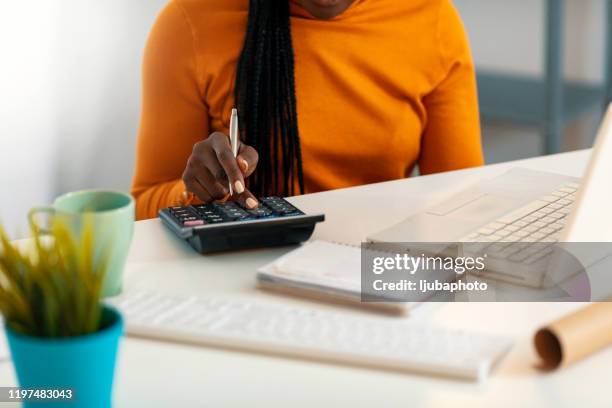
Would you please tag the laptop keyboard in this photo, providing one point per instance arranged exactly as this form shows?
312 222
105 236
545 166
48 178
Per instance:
540 221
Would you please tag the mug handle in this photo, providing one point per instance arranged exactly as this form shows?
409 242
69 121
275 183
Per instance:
46 230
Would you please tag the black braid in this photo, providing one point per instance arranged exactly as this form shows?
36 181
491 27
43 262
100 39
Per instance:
265 97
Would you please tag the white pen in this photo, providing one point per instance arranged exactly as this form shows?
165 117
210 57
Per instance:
233 139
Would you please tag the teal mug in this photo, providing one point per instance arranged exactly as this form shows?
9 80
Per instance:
111 215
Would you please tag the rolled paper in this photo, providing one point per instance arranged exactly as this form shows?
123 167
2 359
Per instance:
575 336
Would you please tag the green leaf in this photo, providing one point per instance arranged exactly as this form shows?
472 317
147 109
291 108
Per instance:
55 288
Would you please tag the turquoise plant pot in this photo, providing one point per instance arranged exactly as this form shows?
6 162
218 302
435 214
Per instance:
84 364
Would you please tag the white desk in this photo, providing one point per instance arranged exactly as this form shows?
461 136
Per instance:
155 374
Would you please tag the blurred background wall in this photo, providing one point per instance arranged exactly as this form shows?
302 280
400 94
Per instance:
70 86
508 35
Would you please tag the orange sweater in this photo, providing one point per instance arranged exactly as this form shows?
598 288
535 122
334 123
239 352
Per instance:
386 85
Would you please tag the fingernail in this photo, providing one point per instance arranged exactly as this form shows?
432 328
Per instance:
251 203
238 187
244 165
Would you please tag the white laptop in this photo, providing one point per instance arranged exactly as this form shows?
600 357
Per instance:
522 206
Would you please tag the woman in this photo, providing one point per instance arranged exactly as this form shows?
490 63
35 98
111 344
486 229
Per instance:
331 94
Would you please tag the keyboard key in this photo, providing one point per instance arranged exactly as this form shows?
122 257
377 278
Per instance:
522 212
546 210
551 238
559 194
497 248
475 247
505 244
555 227
503 233
538 256
495 226
549 198
558 225
519 256
513 238
511 250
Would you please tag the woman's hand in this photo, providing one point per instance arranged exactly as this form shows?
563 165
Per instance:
212 166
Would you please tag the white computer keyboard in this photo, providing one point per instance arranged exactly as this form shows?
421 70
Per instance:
540 221
316 334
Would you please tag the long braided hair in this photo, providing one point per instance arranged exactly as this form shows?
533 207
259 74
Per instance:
265 97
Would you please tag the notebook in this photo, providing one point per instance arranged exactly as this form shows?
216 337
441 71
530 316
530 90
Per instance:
324 271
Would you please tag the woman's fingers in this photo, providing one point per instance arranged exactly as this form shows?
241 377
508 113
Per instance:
217 190
213 176
247 159
247 200
196 188
198 170
225 156
212 167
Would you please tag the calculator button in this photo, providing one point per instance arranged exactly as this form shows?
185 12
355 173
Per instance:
213 220
182 213
194 223
261 212
232 213
225 206
282 210
280 206
217 213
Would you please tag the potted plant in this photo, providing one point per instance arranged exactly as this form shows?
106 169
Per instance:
63 339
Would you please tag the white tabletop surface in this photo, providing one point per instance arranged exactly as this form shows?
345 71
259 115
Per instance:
156 374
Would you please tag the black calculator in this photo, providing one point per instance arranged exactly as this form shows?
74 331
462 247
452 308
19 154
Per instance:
230 226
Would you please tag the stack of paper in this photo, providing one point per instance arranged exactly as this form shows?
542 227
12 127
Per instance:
322 270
